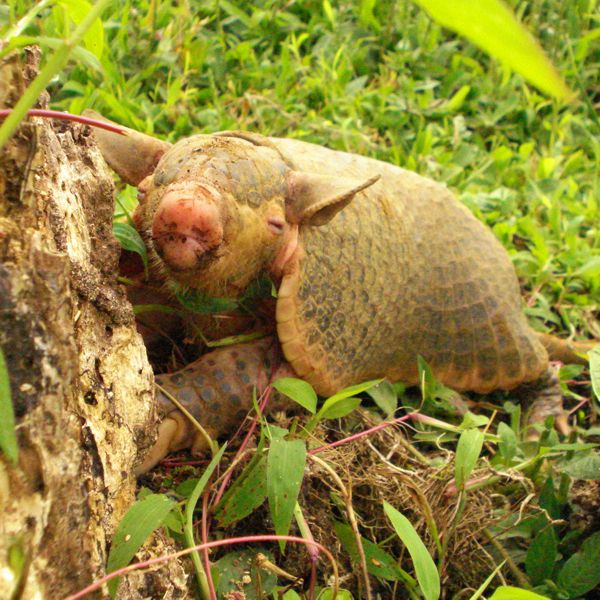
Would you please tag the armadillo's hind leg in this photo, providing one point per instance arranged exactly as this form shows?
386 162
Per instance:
546 400
217 391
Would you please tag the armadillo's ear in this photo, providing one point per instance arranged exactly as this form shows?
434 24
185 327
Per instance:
316 199
132 156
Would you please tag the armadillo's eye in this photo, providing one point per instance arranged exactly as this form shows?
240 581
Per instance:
276 225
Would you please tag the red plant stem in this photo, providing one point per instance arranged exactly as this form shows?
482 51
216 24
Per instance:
217 543
205 555
65 116
264 398
313 580
578 406
360 434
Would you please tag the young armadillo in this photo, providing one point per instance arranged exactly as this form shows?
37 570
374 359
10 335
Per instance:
374 266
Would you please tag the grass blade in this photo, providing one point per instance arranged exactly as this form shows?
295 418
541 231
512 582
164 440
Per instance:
594 357
189 519
8 438
425 569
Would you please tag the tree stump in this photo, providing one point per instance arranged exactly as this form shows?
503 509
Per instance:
81 384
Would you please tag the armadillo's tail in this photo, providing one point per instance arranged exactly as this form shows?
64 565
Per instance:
567 352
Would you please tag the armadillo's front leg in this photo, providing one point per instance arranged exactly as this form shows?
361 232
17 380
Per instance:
217 390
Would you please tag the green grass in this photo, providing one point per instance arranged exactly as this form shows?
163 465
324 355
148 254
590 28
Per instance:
381 79
389 84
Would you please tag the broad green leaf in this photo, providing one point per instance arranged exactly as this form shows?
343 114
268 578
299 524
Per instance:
425 569
246 497
384 395
433 391
508 592
584 465
130 239
186 488
342 403
340 408
568 447
285 469
353 390
126 200
508 442
580 574
491 25
548 500
327 594
379 562
94 37
299 391
8 437
594 358
144 517
17 559
275 433
541 556
238 572
175 521
467 452
198 302
471 421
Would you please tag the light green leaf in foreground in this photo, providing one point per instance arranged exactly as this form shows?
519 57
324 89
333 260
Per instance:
8 437
508 592
285 469
594 357
492 26
299 391
425 569
138 523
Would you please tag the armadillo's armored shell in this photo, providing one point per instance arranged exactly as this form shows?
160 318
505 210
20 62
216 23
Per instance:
404 270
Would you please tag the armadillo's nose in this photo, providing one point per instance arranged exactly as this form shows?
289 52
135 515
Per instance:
184 229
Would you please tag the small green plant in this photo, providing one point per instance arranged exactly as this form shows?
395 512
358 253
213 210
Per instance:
8 437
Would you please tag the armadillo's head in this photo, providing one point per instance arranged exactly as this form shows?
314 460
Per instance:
213 212
217 210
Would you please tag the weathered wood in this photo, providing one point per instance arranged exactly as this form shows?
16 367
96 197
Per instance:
81 383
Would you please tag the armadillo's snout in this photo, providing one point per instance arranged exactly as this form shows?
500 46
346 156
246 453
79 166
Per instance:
184 229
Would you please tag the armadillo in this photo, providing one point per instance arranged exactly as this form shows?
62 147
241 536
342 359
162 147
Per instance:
374 266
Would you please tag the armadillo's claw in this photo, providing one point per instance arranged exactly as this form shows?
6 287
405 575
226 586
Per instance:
167 432
547 401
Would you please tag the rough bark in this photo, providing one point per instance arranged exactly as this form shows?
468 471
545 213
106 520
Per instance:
81 384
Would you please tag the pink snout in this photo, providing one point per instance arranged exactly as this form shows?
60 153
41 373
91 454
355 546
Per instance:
184 229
